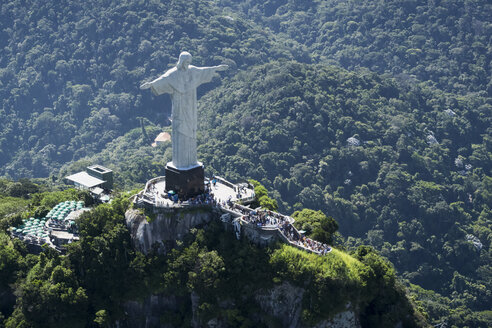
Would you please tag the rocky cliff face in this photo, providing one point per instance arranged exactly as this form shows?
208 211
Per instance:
346 319
168 226
148 313
284 302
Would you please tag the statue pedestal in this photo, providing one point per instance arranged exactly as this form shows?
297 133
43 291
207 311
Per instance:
186 183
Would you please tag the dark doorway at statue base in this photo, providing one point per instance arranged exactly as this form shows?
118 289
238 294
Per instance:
186 183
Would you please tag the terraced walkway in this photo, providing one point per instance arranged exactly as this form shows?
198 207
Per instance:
229 198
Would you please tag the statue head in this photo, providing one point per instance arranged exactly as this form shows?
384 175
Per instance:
184 60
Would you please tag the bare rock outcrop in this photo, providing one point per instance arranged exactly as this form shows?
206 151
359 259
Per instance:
169 226
284 302
345 319
148 312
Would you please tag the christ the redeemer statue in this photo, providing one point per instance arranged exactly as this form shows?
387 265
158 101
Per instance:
184 174
181 83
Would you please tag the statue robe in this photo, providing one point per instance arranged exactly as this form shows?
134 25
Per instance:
181 84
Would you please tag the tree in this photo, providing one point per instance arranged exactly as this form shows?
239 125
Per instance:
316 224
262 198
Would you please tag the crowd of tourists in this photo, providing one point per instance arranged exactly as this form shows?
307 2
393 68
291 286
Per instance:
203 199
173 201
259 217
263 218
297 238
313 245
266 218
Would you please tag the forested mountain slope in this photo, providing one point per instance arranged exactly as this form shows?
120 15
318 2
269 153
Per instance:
70 71
445 42
406 169
208 276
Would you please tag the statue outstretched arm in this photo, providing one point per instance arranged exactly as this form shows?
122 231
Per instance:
163 84
205 74
217 68
221 67
146 85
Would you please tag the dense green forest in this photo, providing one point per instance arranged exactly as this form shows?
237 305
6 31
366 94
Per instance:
376 113
292 126
84 287
443 42
390 164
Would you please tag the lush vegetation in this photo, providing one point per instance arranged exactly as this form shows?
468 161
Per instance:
443 42
397 150
69 71
85 286
387 162
47 285
316 225
263 200
451 310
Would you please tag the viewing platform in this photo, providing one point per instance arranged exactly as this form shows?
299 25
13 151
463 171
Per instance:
232 200
218 190
277 225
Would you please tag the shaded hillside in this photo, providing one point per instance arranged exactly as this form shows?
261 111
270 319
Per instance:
70 71
405 169
445 42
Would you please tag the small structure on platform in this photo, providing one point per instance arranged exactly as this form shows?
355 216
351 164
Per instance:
102 173
186 182
84 180
97 179
61 237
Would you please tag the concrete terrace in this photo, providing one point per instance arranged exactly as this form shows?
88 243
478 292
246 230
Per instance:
282 225
154 194
232 199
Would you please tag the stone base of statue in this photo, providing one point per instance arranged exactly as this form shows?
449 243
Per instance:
186 183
